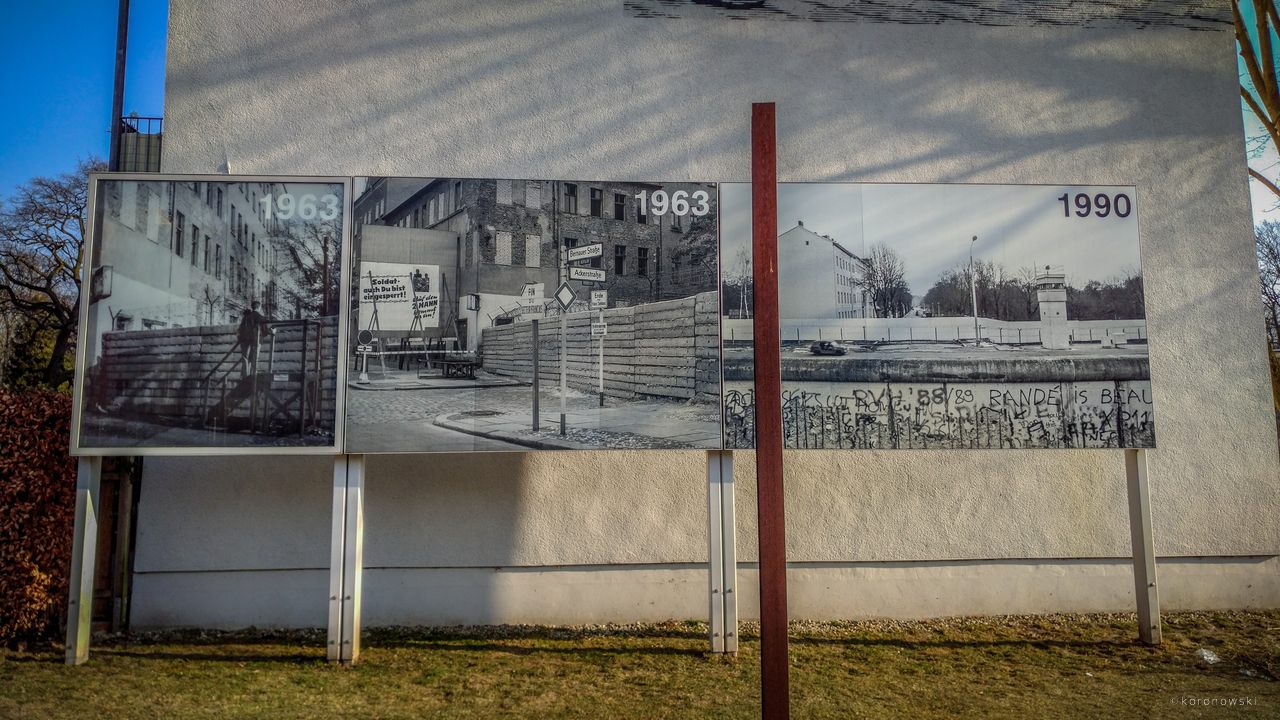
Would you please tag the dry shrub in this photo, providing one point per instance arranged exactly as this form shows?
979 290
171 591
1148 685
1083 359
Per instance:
37 512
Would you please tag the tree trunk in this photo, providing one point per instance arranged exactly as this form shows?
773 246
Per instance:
55 372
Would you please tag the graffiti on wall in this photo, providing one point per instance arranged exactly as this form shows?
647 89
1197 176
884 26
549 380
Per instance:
817 415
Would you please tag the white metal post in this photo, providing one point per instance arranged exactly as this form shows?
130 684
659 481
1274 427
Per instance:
353 562
722 541
729 552
83 554
602 360
346 559
1144 551
715 553
337 554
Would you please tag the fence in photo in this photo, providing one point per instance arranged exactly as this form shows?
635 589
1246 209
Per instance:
196 377
667 349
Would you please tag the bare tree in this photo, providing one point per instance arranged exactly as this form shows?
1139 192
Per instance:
311 259
1260 92
883 275
42 233
736 283
1268 247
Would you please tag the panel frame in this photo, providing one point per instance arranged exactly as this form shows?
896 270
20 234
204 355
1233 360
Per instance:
86 275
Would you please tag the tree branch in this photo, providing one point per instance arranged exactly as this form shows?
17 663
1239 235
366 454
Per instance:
1266 183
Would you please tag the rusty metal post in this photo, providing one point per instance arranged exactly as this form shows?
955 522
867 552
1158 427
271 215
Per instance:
774 680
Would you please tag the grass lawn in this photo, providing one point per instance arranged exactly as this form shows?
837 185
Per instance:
1012 667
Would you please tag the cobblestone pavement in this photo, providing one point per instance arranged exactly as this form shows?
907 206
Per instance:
406 420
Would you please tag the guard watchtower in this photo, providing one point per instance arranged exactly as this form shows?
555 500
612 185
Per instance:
1051 292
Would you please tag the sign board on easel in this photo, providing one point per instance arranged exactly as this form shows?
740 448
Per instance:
406 295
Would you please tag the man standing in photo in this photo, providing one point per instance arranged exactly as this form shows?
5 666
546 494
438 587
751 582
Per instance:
247 335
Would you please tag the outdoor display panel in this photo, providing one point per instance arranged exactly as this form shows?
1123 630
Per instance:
469 293
881 345
210 315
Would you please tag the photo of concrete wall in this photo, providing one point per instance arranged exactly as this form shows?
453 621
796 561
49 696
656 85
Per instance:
212 315
945 316
564 314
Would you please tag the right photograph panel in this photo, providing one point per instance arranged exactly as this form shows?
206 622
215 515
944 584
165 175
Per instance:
944 316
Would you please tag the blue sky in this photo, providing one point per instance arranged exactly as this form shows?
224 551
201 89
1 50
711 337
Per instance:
59 61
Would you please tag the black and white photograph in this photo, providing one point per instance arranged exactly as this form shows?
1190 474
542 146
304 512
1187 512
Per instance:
211 315
513 315
945 316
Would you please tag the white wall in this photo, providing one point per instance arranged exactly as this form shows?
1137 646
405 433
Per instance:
546 89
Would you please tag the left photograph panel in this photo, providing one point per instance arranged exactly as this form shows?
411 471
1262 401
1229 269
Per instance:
210 315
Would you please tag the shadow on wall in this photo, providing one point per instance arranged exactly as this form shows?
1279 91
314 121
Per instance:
452 538
522 74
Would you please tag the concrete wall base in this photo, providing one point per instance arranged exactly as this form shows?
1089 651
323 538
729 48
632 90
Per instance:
646 593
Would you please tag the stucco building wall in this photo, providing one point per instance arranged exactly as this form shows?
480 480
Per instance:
554 89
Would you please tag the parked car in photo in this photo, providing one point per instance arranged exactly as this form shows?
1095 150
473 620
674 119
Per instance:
826 347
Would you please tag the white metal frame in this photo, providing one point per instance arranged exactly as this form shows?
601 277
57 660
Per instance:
344 305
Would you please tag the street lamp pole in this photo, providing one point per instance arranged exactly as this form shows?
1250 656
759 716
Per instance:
973 287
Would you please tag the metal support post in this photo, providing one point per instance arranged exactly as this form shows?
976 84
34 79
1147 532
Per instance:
537 371
346 559
723 552
83 553
715 555
1144 550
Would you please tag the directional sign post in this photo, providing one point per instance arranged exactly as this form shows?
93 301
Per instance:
565 296
585 252
586 273
598 330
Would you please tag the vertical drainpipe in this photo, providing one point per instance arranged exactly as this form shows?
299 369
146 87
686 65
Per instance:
117 97
125 527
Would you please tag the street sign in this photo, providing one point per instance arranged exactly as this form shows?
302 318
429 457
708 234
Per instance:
599 329
586 252
565 296
599 299
583 273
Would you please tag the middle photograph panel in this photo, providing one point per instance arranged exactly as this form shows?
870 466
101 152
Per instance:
516 315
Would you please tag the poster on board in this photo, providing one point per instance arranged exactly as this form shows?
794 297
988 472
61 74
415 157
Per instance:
512 268
945 316
210 315
398 296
